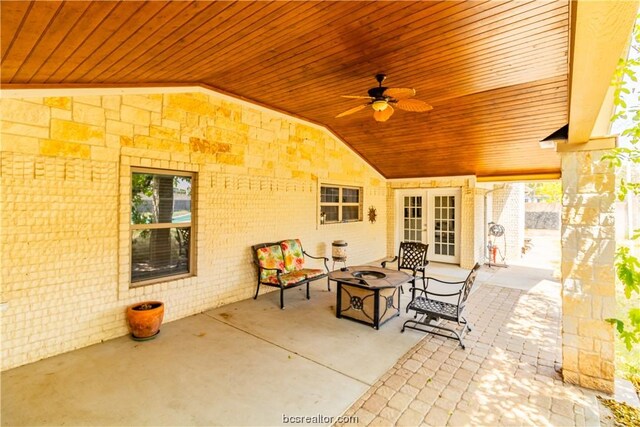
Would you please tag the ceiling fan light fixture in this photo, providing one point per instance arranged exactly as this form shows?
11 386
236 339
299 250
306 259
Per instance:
384 100
379 105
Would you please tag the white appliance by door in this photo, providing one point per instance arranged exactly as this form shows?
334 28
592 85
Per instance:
431 217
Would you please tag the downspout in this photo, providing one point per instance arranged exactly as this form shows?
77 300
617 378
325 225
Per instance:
486 231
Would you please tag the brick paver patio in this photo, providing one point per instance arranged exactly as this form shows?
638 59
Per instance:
506 376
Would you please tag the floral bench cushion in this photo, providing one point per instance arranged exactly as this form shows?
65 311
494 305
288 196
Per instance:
293 256
270 257
287 256
294 277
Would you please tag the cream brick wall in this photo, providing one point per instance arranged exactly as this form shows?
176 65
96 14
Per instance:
65 188
507 209
470 232
588 278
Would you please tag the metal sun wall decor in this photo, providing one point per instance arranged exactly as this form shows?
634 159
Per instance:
372 214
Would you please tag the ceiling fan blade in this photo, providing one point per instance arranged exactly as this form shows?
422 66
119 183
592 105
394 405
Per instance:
400 92
356 96
383 116
414 105
351 110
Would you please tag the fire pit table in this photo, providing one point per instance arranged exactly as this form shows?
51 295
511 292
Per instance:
368 294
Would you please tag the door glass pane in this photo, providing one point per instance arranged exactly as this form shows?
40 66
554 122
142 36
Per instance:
442 225
412 221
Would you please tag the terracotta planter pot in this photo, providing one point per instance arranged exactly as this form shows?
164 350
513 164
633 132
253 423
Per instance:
144 319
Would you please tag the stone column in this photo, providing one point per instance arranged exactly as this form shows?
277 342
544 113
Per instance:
588 276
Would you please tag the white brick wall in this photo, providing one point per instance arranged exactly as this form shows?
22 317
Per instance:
507 209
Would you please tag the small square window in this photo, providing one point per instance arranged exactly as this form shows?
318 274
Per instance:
340 204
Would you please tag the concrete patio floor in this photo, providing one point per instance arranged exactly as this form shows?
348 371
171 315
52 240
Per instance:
251 363
248 363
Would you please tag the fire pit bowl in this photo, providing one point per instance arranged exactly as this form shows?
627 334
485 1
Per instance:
368 274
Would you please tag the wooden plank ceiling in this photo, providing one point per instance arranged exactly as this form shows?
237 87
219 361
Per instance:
495 72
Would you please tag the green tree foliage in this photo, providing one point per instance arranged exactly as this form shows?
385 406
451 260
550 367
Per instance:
141 185
628 106
547 192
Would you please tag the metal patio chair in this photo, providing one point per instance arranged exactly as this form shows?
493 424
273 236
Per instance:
431 310
412 256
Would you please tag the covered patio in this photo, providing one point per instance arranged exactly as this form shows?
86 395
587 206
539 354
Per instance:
147 146
320 367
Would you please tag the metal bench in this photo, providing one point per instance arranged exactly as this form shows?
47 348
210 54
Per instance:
281 265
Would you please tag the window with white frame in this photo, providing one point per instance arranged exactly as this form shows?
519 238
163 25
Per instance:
340 204
161 225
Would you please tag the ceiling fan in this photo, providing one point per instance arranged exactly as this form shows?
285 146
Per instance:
382 98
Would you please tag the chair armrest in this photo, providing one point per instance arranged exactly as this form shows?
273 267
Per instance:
448 283
418 268
460 283
413 288
433 293
384 263
444 295
324 259
315 257
278 270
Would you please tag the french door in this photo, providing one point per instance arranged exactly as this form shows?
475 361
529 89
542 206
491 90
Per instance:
431 217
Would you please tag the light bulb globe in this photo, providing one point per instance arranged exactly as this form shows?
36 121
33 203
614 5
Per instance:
379 105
